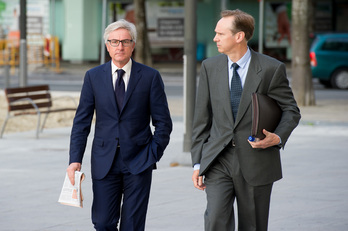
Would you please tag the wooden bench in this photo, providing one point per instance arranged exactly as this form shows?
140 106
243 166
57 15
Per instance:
32 100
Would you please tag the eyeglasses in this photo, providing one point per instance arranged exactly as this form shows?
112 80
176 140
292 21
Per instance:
125 42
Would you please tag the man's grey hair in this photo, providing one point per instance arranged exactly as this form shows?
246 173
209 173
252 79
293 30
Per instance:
121 24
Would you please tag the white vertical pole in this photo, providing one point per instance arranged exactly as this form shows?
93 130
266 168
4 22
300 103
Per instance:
223 5
102 43
190 69
261 17
23 75
53 17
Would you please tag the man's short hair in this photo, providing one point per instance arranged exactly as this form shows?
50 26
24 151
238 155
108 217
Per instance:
121 24
242 22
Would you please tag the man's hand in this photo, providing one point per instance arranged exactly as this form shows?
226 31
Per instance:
270 140
71 171
198 180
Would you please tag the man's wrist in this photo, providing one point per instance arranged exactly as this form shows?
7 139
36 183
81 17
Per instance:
196 167
280 141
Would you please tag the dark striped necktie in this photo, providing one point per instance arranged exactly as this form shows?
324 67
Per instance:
120 88
236 90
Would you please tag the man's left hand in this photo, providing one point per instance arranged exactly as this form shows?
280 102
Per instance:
270 140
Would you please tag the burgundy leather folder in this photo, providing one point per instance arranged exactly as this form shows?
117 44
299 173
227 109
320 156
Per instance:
266 114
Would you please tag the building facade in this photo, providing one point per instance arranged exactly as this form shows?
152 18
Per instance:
78 24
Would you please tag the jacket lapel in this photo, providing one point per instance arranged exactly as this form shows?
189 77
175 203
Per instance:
251 84
223 86
107 79
133 81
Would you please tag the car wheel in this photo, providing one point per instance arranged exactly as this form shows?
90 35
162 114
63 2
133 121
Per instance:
339 78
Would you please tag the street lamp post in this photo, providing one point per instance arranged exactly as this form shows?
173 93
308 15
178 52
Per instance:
190 65
23 78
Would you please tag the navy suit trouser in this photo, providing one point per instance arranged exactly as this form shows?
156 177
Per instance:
118 186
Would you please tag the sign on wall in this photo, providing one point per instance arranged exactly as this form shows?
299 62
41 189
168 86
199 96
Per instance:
37 17
165 20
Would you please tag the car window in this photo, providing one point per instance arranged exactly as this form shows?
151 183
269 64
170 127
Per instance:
315 41
336 44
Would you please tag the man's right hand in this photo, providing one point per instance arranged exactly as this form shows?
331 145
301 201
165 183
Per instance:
198 180
71 171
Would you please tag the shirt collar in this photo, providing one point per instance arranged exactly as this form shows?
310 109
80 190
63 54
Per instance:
127 68
243 61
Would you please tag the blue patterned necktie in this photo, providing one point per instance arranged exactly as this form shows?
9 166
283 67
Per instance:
119 88
236 90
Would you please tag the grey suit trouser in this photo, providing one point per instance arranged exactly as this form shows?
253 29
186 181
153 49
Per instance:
225 183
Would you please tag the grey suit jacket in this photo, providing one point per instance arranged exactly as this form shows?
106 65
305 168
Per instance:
213 125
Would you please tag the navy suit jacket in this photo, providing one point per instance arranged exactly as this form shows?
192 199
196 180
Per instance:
145 100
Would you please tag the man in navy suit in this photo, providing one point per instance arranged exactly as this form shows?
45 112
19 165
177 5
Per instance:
124 150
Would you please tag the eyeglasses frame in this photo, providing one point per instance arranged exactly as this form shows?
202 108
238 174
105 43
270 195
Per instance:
121 41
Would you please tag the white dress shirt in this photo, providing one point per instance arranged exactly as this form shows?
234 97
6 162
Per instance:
127 69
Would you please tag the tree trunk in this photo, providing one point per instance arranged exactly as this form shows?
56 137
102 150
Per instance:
142 49
302 83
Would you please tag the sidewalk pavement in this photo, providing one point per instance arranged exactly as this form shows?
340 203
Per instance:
312 196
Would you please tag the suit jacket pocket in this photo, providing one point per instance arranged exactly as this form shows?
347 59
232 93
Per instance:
98 142
98 147
143 141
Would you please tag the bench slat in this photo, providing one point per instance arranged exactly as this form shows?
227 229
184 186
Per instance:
45 96
29 106
26 89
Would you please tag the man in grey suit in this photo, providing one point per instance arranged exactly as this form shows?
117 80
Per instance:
233 167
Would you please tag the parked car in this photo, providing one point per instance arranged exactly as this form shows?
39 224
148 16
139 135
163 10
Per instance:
329 59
